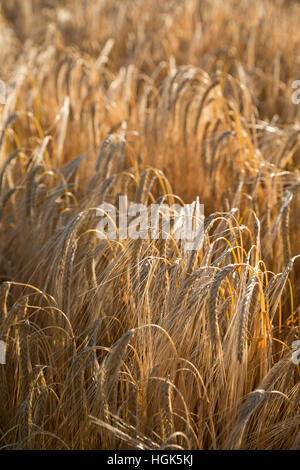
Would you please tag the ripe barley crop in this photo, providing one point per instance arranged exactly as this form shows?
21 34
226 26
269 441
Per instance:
140 343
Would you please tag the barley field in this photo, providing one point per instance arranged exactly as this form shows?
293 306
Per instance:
137 343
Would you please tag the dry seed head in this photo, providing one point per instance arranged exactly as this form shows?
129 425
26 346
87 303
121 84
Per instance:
244 316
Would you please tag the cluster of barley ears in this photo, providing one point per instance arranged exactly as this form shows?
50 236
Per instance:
138 344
